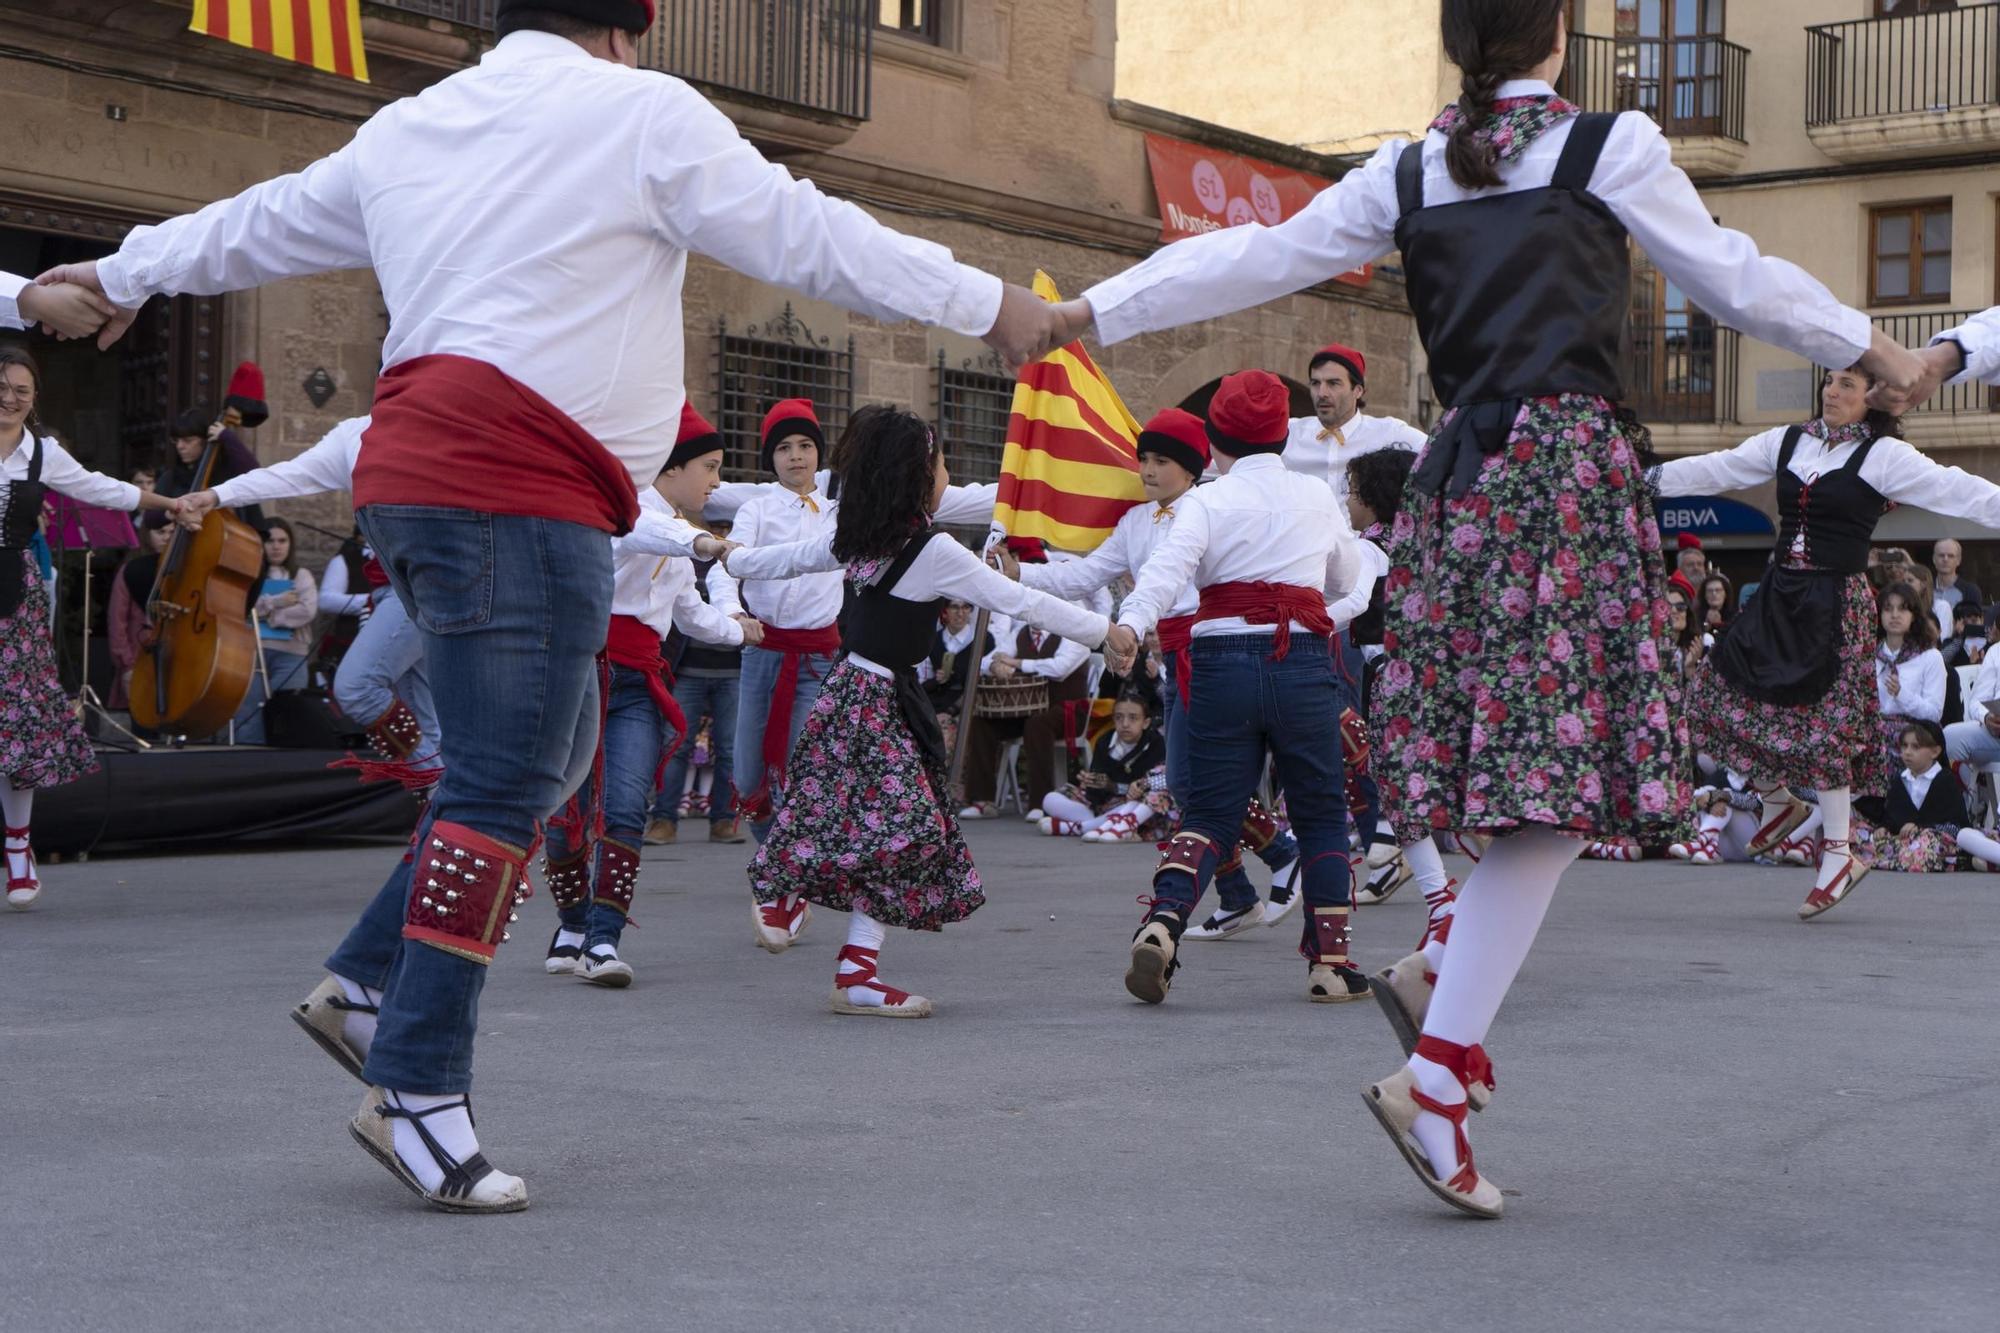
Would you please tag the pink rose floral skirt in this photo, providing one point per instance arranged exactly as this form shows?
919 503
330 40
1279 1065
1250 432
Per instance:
1529 675
866 823
42 741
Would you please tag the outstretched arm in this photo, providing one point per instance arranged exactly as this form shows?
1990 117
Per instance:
1751 463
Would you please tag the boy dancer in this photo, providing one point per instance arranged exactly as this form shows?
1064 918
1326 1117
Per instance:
1264 547
594 851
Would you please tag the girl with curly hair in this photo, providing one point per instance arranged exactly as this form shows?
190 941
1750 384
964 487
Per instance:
866 823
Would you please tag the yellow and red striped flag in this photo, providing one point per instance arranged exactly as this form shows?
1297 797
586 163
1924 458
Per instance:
1071 466
325 34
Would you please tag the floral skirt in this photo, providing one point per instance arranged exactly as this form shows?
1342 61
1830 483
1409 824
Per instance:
1528 677
1924 851
42 741
1833 743
866 822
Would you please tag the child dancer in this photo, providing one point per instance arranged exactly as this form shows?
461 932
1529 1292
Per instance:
1925 826
42 741
1266 548
1526 615
1790 696
868 826
1110 799
594 851
1173 454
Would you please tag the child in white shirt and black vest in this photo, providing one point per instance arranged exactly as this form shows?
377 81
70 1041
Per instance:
1924 822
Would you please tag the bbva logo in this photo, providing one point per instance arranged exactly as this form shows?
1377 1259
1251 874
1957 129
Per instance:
1689 518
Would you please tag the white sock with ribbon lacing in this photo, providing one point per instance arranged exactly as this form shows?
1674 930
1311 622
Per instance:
1836 809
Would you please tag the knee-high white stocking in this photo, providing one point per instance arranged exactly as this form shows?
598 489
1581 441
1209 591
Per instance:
19 805
1974 843
1836 808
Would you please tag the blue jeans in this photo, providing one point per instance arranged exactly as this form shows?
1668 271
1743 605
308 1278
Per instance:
385 663
715 697
287 672
1244 706
634 736
1234 889
760 677
512 612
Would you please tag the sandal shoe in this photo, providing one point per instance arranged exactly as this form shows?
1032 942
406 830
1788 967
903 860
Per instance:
1822 900
895 1003
1155 959
1707 850
471 1186
1403 993
1223 925
1116 828
605 968
22 890
1382 853
776 925
323 1016
563 959
1781 826
1328 984
1395 1103
1382 885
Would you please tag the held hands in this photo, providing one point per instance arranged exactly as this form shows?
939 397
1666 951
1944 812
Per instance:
1029 328
1004 560
753 629
1121 646
112 323
715 548
65 310
190 510
1939 364
1898 373
1004 667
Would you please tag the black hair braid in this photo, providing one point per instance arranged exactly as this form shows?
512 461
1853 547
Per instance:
890 459
1490 41
1474 163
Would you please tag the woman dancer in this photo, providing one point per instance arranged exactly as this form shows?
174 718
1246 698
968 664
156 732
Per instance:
1526 626
1790 695
868 826
42 741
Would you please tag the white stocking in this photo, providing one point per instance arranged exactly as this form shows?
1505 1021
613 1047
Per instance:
1499 913
863 932
1714 823
1812 825
1426 865
1981 845
451 1128
1836 806
19 804
1067 807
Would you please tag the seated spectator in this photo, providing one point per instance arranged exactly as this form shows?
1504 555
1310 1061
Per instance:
129 627
1112 800
1924 827
1716 606
1027 651
1967 643
952 660
287 601
1909 670
189 436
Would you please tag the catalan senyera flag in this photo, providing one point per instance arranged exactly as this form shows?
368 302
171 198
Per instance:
325 34
1071 466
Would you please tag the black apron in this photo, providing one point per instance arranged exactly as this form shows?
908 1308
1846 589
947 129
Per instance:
1784 647
896 633
17 527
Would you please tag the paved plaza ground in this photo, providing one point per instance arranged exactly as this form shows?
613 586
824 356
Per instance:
1709 1117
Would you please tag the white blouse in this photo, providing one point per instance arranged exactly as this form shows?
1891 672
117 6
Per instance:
1920 686
11 287
1354 222
773 518
61 472
1140 532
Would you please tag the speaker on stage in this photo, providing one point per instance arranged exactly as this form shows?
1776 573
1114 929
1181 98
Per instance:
304 720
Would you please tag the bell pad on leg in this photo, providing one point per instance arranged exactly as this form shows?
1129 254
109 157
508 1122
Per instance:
569 881
463 891
618 875
1260 828
1325 937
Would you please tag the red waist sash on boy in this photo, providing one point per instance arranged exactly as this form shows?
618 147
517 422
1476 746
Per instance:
1176 633
628 642
459 433
796 645
1276 604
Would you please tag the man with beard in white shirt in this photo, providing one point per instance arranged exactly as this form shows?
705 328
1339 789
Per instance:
1338 432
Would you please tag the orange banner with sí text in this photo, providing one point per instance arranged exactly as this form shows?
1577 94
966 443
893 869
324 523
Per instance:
1071 466
325 34
1205 189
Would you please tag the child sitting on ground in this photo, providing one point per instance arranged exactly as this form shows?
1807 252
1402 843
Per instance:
1112 799
1924 820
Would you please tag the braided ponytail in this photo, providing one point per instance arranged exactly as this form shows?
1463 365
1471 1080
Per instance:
1490 41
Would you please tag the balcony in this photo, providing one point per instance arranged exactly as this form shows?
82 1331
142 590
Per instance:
1917 330
1693 86
1921 84
1682 373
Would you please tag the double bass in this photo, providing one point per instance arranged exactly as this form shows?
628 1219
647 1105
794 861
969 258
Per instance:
194 674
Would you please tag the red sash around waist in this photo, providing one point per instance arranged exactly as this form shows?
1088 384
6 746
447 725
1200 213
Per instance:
1276 604
628 642
796 645
459 433
1176 634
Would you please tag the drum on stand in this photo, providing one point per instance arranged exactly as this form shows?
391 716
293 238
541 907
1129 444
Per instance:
1017 696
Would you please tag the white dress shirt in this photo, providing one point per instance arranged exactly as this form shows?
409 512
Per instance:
535 212
660 590
1259 523
1314 449
1980 337
776 517
954 644
1143 529
943 569
1059 665
1354 222
1374 568
334 598
1985 687
1920 686
1894 467
962 506
11 287
327 466
1918 785
62 473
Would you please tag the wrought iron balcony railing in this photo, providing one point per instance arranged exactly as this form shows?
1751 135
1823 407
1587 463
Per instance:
1927 62
1690 85
1683 372
1917 330
470 13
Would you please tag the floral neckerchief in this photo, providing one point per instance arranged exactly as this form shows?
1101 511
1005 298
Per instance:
1894 678
1834 437
1515 123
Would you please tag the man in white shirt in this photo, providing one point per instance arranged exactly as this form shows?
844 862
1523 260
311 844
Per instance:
1323 444
529 220
1267 549
1976 740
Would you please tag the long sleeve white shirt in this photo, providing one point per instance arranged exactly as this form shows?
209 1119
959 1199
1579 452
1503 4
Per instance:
1985 688
1894 467
1918 785
943 569
1059 665
1324 452
334 598
1354 222
1374 567
61 472
1258 523
11 287
1919 686
660 590
962 506
1142 531
773 518
535 212
1980 337
327 466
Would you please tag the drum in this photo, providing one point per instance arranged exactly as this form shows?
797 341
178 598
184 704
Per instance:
1017 696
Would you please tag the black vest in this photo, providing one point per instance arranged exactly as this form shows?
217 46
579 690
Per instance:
1836 514
1517 295
896 633
17 526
